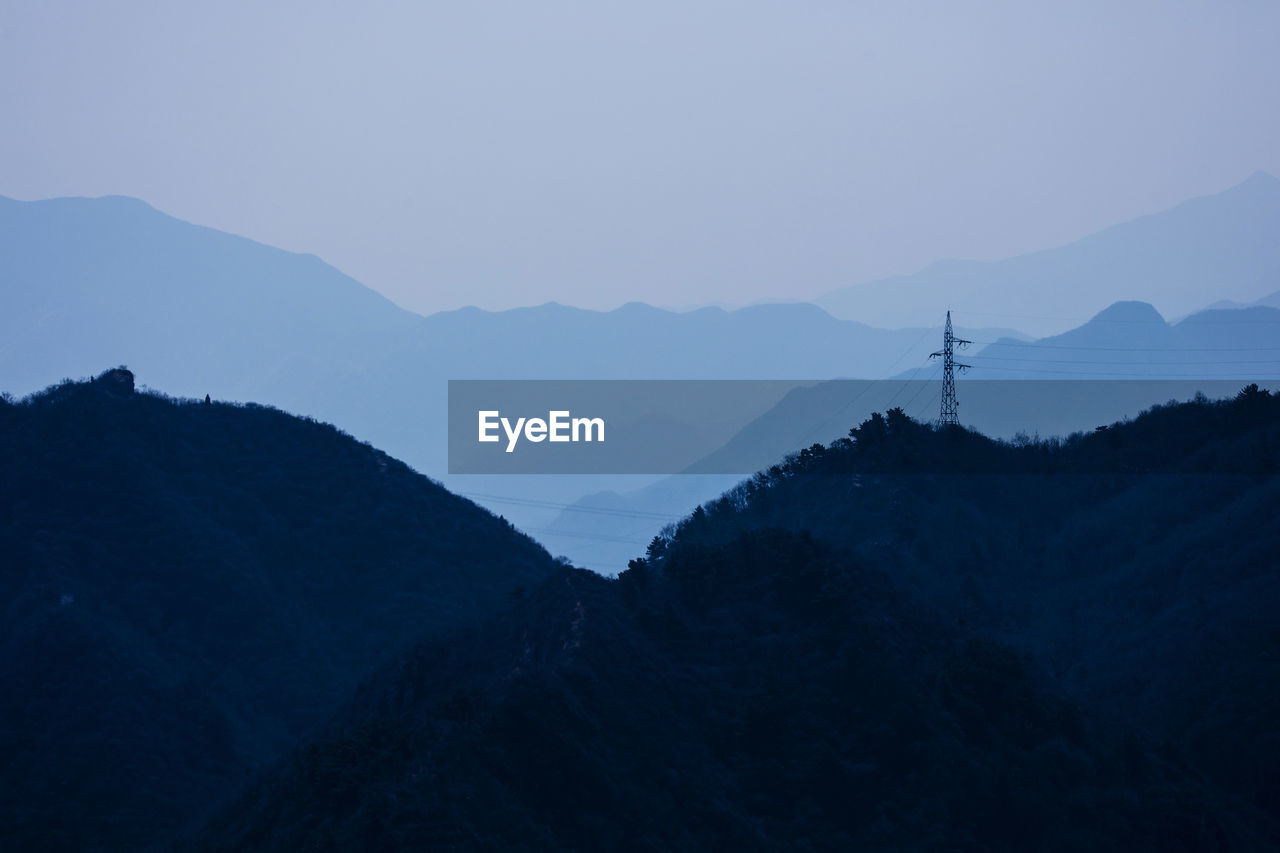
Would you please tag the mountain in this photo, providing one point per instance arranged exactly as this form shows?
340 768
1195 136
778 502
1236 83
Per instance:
1123 360
913 639
198 311
1209 248
1132 340
86 282
1271 300
1212 351
109 280
188 588
637 341
610 527
1134 562
89 282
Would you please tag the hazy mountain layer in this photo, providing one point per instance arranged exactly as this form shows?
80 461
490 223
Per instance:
1132 340
88 282
195 311
1221 246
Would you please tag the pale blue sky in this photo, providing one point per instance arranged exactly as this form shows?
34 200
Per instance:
509 153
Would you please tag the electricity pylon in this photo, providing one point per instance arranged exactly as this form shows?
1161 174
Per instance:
949 367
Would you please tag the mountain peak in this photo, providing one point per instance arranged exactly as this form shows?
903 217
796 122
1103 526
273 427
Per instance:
245 545
1261 179
1216 246
1128 311
124 201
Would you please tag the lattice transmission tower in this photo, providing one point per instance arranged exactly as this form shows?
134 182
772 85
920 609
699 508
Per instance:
949 414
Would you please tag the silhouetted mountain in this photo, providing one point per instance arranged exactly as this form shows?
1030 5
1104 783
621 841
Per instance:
913 639
1126 341
189 587
1136 563
1205 249
195 311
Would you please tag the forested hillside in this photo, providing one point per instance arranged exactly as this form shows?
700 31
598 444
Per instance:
913 639
189 587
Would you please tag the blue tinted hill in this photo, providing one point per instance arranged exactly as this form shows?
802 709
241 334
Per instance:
914 639
187 588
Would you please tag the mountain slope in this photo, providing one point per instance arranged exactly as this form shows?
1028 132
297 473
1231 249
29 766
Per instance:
904 641
1135 563
190 587
198 311
88 282
638 341
109 280
1271 300
1206 249
796 706
1210 351
1126 341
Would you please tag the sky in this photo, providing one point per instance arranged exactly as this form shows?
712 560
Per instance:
679 153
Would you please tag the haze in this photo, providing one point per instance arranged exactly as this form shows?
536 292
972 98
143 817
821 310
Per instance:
505 154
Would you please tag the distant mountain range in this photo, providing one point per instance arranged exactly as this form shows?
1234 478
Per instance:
1270 301
193 310
88 282
1132 340
1210 248
100 281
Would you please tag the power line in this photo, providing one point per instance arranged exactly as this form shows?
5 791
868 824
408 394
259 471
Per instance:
532 502
1159 322
548 531
1087 373
1135 363
867 386
625 537
923 384
1036 345
929 403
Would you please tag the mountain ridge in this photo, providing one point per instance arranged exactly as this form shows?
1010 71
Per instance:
1115 346
189 587
842 653
1179 258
